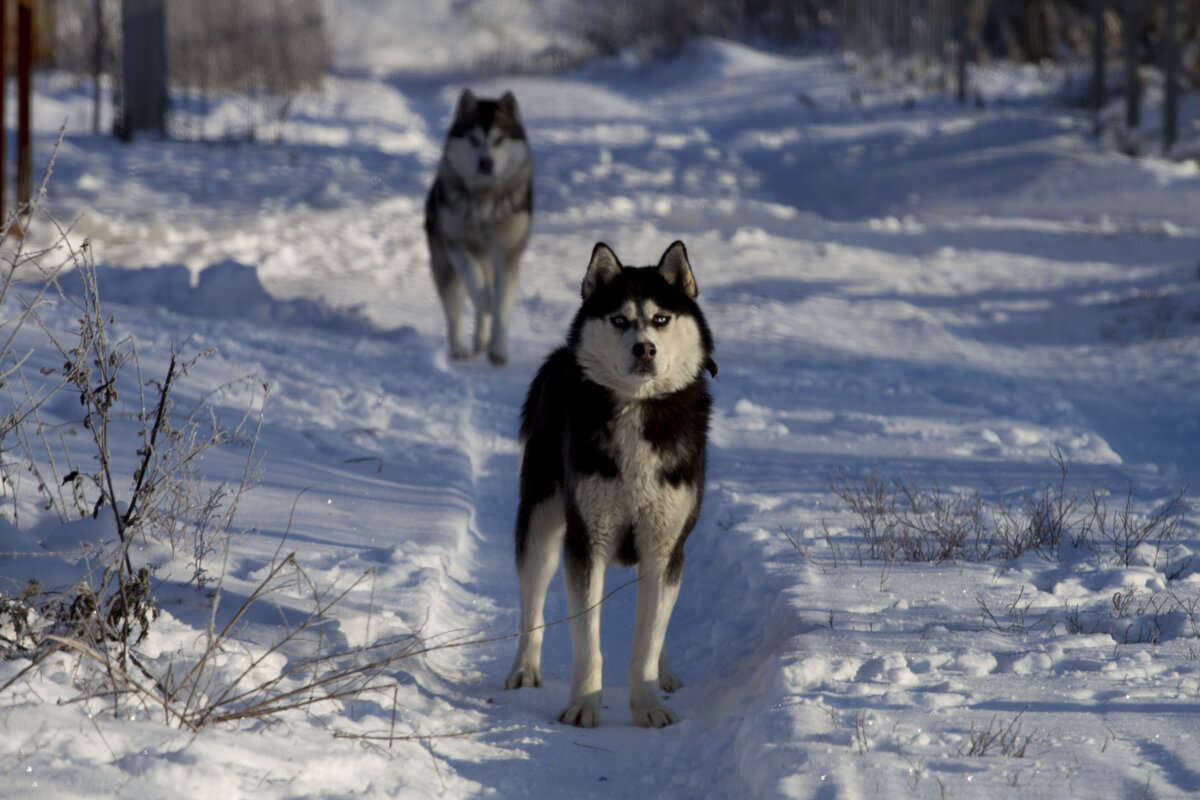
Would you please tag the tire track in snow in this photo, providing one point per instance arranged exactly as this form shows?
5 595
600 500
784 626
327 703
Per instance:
470 601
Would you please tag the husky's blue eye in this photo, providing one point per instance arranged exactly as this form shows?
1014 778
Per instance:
661 320
619 321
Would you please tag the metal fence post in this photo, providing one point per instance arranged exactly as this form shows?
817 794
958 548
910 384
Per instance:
144 67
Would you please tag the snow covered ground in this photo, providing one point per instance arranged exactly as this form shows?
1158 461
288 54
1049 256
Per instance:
944 295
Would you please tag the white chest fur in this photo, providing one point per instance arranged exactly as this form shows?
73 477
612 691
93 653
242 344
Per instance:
638 498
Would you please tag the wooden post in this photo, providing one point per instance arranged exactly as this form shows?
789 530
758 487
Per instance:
1171 77
960 35
97 61
1099 89
1133 89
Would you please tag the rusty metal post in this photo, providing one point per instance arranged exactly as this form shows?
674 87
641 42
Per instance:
24 97
3 97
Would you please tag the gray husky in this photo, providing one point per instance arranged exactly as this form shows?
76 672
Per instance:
614 430
477 220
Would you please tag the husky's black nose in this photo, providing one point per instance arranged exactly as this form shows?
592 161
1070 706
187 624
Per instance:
485 165
644 351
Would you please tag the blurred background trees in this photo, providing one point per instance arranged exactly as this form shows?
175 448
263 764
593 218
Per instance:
263 52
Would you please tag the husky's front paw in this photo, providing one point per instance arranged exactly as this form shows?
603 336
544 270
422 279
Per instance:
498 357
582 714
655 717
524 677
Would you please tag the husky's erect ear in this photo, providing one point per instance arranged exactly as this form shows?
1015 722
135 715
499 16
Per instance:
508 104
603 267
675 268
467 102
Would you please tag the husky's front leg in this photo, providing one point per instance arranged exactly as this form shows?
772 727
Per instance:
476 276
584 579
649 669
453 296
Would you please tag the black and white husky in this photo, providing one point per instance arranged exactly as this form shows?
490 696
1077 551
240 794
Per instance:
614 431
477 220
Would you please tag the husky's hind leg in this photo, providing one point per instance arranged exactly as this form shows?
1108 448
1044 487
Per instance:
539 539
668 681
507 263
655 598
